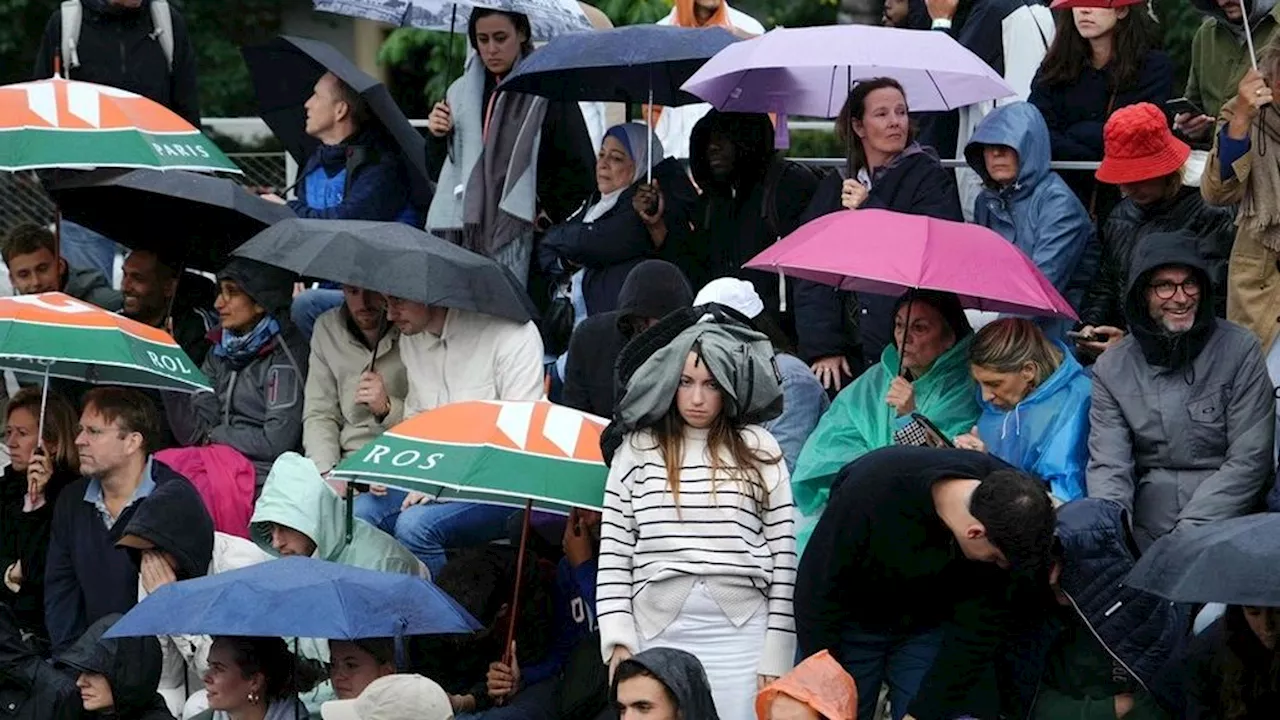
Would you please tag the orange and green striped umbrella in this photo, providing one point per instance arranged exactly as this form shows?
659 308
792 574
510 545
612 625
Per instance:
56 334
498 453
59 123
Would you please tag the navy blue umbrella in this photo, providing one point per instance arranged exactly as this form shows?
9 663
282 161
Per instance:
298 597
637 63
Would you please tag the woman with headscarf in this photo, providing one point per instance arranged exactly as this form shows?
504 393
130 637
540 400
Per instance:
258 367
507 164
696 542
623 223
925 370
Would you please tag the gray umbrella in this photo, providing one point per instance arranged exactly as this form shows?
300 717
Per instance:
1229 561
393 259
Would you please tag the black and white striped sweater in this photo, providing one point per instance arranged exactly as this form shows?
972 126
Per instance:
652 553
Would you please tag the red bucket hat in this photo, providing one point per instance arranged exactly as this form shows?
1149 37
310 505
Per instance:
1138 146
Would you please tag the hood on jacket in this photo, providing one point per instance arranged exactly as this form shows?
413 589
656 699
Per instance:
683 676
174 519
1173 351
752 136
267 285
1259 11
132 665
1020 126
296 497
653 289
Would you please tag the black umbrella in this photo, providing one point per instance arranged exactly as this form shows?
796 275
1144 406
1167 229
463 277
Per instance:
393 259
285 70
1228 561
187 218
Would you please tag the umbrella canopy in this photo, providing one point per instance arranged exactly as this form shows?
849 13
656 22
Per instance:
210 216
285 70
547 18
59 123
808 71
393 259
298 597
622 65
56 334
498 453
887 253
1228 561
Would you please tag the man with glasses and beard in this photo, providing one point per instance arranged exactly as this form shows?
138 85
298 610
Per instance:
1182 427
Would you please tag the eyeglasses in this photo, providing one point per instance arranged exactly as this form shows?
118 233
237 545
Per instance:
1166 289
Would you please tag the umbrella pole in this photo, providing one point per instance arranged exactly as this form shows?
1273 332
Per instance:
44 401
507 653
649 122
906 332
351 510
1248 36
448 68
57 233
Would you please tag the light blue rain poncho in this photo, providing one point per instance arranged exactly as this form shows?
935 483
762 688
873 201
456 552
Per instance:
1038 213
1047 433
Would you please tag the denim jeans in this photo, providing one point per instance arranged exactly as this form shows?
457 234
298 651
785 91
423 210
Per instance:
900 660
85 249
536 702
310 305
428 530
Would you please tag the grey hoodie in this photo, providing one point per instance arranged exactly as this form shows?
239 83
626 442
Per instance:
1181 426
91 287
683 677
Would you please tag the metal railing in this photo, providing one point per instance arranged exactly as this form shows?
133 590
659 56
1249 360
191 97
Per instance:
23 200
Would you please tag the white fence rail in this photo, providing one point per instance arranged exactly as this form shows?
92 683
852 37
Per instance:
22 199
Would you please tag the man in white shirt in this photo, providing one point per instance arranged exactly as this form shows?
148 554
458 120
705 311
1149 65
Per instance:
453 355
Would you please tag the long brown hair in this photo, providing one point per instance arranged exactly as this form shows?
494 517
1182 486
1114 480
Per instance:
724 437
855 108
1132 38
60 422
1249 669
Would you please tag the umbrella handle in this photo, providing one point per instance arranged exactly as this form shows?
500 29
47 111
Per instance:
508 654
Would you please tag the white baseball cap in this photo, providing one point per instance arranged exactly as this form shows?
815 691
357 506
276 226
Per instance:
393 697
732 293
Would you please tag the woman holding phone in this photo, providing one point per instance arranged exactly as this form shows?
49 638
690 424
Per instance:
1101 59
39 467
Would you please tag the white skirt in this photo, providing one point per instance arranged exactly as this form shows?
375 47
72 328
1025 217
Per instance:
730 655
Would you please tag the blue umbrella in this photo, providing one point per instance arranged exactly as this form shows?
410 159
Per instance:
638 63
298 597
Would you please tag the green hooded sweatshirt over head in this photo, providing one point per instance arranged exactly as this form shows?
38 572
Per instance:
296 497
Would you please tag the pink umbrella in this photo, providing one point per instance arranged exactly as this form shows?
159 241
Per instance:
887 253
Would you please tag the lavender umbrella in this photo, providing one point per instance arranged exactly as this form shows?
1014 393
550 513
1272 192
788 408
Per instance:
808 71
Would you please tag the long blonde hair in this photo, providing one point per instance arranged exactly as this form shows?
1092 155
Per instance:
1008 344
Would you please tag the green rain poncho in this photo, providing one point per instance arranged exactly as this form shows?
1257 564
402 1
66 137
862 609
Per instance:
859 421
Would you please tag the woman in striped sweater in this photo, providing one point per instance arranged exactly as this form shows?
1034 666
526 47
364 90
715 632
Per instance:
697 543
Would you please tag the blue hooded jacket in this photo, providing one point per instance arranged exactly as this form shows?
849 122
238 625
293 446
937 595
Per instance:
1038 212
1047 433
